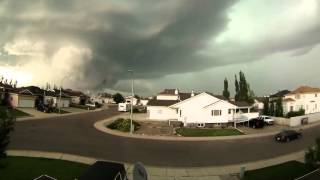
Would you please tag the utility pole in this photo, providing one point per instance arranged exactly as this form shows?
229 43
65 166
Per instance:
131 109
61 93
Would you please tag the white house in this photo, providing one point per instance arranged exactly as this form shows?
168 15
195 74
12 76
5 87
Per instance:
144 102
304 97
200 110
134 100
259 103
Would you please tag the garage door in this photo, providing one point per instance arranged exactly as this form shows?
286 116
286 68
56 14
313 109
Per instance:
26 103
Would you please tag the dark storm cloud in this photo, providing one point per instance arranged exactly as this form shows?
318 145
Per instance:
153 38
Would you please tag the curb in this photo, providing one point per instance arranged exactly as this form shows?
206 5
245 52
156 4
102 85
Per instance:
166 171
100 125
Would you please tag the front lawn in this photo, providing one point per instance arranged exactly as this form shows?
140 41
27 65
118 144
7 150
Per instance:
202 132
288 170
22 168
123 125
15 112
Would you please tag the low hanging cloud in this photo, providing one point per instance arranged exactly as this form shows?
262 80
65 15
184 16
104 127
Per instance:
95 43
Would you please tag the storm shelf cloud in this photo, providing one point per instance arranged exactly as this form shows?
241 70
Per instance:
94 43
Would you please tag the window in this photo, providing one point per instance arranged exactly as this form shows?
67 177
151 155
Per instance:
297 96
315 95
229 111
291 108
180 112
216 112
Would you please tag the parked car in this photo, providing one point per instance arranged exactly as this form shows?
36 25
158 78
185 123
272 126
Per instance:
256 123
287 135
267 120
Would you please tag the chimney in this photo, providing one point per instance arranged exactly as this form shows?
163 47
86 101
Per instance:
176 92
192 93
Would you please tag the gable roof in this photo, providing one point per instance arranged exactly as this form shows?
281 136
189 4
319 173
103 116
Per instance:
288 100
260 99
168 92
305 89
240 103
280 93
203 93
155 102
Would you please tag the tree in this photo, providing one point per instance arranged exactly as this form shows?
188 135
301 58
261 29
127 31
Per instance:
266 106
312 156
226 92
6 126
236 85
118 98
279 108
271 109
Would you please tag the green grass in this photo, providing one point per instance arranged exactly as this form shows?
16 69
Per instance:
15 112
22 168
201 132
123 125
286 171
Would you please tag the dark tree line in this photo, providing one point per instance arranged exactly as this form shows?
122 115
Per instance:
242 89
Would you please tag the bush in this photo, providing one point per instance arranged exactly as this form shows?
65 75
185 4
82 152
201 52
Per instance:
6 126
295 113
123 125
312 156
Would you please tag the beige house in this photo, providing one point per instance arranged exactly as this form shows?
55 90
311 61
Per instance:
22 99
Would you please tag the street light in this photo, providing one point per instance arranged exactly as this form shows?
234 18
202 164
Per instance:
131 109
61 93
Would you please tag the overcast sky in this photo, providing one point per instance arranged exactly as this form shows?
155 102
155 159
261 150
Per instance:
185 44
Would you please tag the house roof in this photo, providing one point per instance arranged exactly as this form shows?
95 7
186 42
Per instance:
33 89
71 92
168 92
260 99
305 89
240 103
184 96
288 100
280 93
155 102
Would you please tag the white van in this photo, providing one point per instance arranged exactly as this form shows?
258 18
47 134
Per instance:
123 107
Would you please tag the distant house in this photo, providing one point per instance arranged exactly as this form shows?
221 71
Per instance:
304 97
259 103
144 102
22 99
77 97
128 100
158 107
107 98
202 109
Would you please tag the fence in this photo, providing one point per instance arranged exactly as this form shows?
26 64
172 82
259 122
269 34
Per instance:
298 120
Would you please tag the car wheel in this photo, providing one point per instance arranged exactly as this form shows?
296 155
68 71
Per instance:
253 126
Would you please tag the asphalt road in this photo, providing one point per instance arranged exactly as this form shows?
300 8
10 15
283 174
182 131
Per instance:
76 135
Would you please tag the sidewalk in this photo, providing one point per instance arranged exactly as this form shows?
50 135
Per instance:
169 173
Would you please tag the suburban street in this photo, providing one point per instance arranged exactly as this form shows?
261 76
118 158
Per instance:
75 134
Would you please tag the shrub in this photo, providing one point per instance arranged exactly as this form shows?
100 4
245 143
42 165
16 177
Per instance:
312 156
123 125
6 126
295 113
